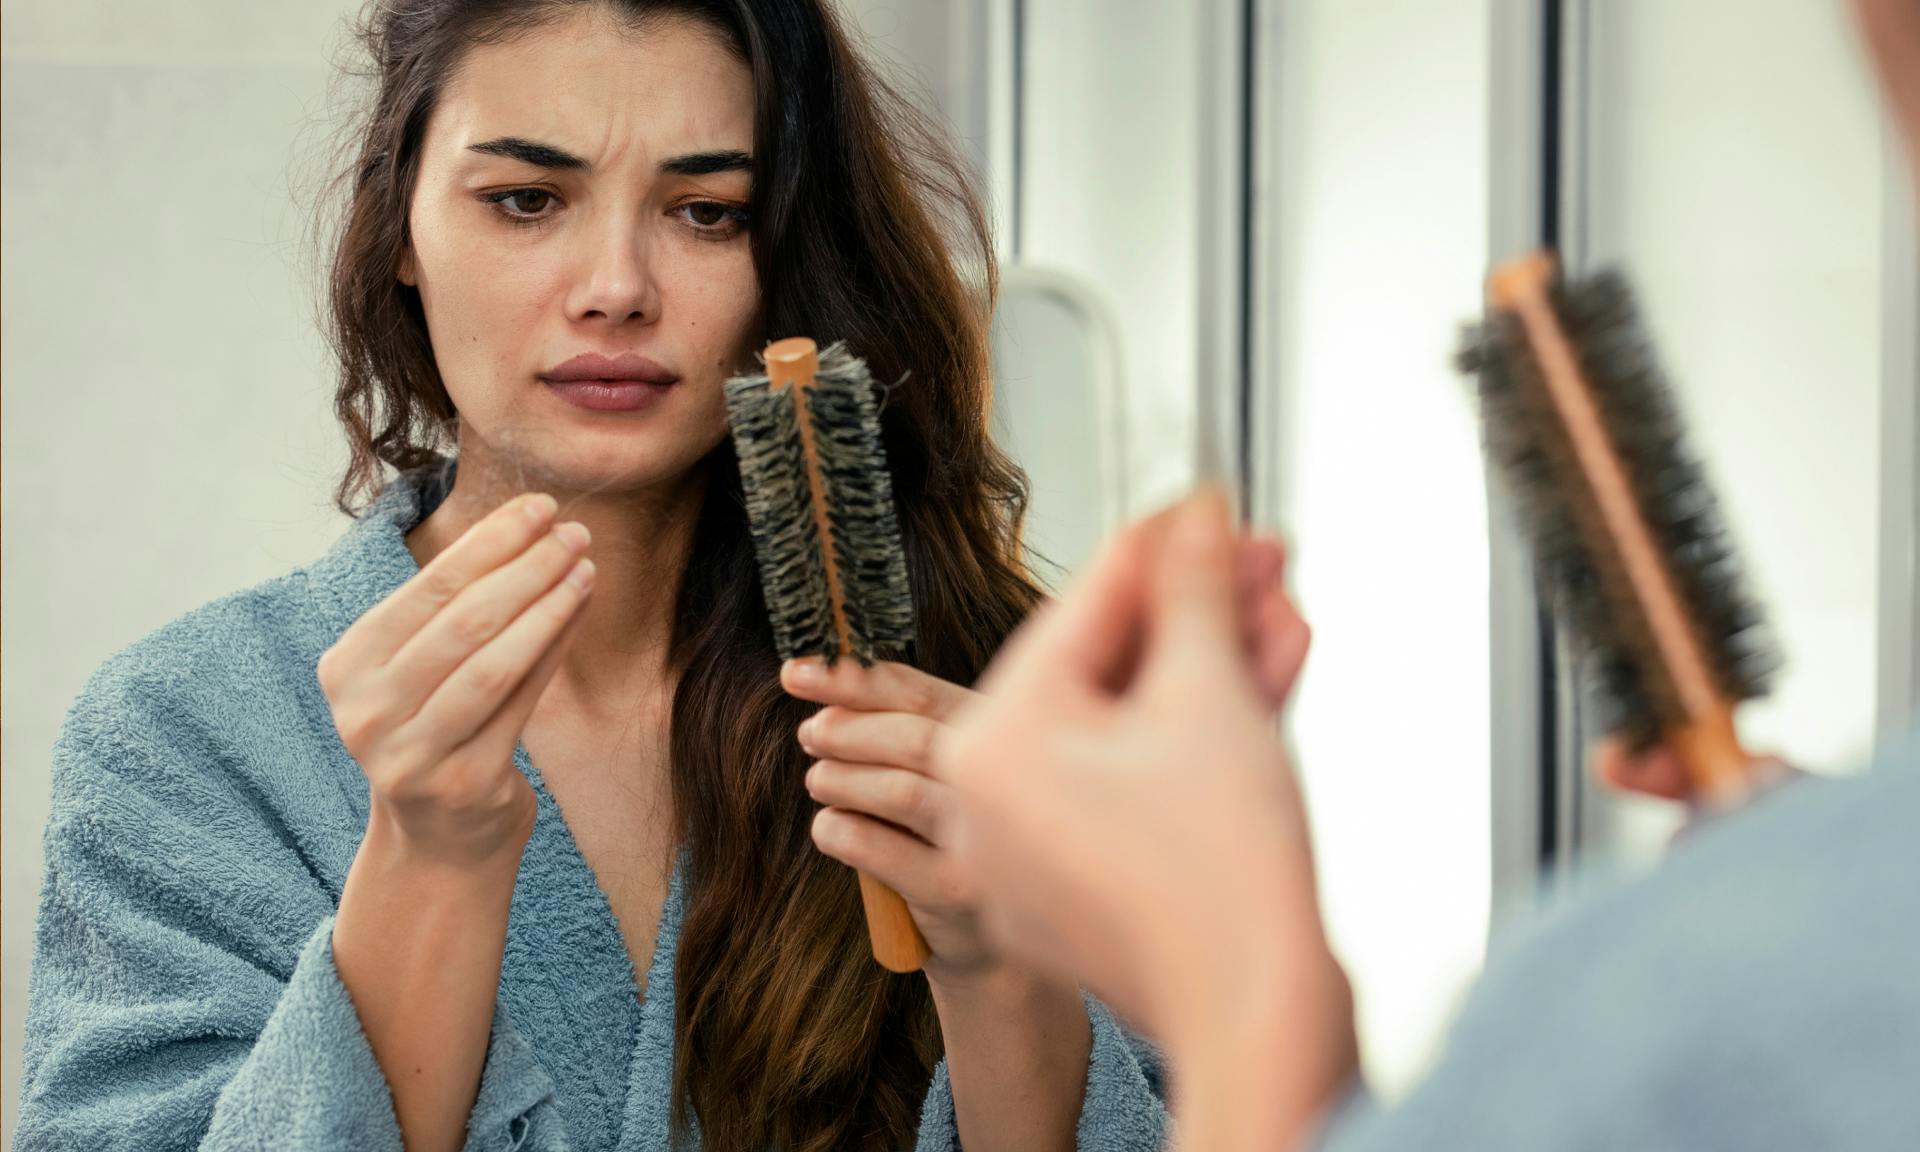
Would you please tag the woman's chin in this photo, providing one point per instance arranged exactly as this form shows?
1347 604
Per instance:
604 465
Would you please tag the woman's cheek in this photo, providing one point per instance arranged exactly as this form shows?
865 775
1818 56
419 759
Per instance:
744 325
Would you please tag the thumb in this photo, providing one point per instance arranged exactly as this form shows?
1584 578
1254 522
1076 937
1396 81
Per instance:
1195 621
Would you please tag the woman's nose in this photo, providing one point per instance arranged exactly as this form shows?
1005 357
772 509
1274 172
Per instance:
616 281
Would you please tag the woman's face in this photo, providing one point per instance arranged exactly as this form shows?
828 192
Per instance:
578 238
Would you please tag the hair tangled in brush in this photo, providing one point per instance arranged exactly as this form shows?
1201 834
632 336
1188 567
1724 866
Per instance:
862 541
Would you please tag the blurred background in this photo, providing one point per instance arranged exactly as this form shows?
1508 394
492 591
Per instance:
1252 225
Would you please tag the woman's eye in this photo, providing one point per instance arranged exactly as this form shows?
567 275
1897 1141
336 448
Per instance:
522 203
711 216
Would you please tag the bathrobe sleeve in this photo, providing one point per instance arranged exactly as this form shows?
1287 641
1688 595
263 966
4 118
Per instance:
1124 1109
183 992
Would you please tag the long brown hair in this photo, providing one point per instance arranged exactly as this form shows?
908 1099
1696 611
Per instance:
862 220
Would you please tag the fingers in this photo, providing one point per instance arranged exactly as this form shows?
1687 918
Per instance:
900 739
1196 631
889 855
885 687
499 734
1274 634
480 686
1281 641
1200 585
1657 772
905 799
1194 577
482 611
1257 564
499 537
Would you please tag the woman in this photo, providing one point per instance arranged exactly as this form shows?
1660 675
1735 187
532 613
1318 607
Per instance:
491 827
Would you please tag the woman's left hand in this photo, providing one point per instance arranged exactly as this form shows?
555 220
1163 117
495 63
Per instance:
884 813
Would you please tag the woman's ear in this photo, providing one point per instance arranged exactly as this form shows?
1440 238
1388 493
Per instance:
409 273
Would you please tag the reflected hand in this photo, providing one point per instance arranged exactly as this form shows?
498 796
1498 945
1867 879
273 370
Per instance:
1660 773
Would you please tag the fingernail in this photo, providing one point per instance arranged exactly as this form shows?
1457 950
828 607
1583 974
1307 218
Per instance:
805 670
581 575
812 777
826 828
806 733
541 508
574 535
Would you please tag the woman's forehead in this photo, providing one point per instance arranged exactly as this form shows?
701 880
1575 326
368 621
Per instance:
602 90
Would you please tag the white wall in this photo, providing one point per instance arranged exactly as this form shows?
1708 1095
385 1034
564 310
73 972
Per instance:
167 436
1380 244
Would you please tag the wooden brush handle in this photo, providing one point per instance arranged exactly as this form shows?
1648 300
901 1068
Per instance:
1721 770
897 942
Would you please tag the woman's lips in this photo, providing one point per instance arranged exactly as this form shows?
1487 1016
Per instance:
623 383
610 395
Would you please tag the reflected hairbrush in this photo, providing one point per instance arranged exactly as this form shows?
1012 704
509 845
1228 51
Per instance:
825 533
1627 534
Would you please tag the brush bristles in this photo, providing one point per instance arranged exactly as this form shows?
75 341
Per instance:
869 557
1580 570
773 475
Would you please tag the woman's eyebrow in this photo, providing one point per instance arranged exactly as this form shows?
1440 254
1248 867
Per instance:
529 152
559 159
707 163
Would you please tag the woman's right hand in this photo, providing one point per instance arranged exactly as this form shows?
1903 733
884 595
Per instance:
1659 772
431 689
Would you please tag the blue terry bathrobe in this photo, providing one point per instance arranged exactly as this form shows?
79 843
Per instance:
205 813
